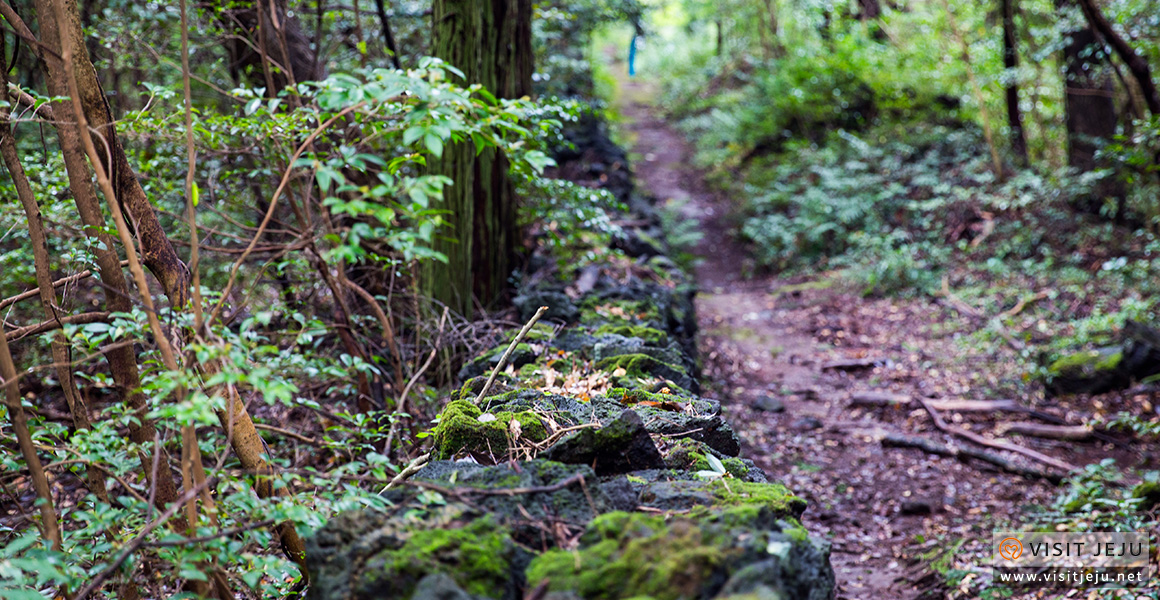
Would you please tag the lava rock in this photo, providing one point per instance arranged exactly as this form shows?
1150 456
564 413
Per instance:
622 446
560 306
916 507
807 423
770 404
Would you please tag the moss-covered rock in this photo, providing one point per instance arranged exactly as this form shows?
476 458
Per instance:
649 335
367 554
461 430
622 446
1087 372
632 370
477 556
573 504
689 455
470 389
521 355
624 555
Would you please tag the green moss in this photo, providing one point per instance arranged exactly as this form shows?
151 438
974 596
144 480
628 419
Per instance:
803 287
640 366
477 556
1149 494
595 310
1079 362
540 332
460 430
770 495
632 554
650 335
1109 362
630 396
532 376
471 388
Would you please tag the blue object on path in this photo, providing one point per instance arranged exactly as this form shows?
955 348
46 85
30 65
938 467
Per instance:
632 56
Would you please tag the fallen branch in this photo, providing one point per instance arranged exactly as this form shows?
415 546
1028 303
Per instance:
58 283
851 364
878 399
1054 432
948 299
1023 302
982 441
287 433
902 401
934 447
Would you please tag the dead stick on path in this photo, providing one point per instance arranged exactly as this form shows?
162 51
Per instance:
982 441
507 354
418 463
935 447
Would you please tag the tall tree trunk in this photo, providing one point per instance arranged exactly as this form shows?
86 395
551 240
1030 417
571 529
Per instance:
1090 111
268 47
490 41
1136 63
1011 63
774 49
870 12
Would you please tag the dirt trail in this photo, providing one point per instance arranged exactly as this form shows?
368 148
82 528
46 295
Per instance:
764 348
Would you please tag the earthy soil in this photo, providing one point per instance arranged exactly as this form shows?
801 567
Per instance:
765 340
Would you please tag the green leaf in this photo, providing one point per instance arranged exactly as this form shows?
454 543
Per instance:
715 464
434 144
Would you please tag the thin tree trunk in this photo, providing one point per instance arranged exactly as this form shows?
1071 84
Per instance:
49 527
60 353
775 49
388 35
122 360
1011 63
996 162
157 252
268 47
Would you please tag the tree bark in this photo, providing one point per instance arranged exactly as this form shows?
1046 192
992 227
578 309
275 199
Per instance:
60 352
122 360
1090 112
49 527
268 47
157 252
490 41
1011 63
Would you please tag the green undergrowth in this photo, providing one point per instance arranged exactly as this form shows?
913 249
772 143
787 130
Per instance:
924 214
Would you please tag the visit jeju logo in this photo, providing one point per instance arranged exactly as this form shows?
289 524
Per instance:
1010 548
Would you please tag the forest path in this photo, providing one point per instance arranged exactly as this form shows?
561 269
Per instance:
765 344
